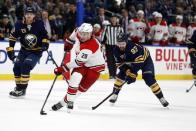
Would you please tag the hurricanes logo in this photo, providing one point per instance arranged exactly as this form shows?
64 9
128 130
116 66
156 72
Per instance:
31 40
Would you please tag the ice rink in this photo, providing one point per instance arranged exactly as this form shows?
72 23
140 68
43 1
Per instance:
137 109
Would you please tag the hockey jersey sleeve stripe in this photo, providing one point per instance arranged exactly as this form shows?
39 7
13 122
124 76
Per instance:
70 41
45 41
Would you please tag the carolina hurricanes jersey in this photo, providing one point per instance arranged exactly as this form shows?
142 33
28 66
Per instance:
137 28
178 32
88 54
158 32
191 28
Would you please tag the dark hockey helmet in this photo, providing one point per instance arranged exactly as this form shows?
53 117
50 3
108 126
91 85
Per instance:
29 10
121 37
121 40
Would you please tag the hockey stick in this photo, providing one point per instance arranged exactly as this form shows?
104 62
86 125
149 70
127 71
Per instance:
187 90
42 112
49 54
94 107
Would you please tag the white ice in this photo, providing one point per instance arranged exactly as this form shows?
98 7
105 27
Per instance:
137 109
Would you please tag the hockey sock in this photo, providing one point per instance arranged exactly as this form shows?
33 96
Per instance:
117 86
17 80
24 81
71 93
156 90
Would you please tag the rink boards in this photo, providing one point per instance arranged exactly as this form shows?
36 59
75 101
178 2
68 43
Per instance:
171 63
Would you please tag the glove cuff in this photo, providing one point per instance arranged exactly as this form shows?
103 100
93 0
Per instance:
9 49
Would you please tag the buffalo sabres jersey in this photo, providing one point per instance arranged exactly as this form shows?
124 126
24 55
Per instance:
31 37
133 53
193 40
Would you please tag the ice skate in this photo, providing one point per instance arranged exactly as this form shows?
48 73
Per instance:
164 102
57 106
69 106
113 98
17 93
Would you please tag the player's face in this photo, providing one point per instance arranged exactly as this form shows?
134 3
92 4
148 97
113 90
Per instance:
96 29
179 21
84 36
140 16
158 19
122 45
29 17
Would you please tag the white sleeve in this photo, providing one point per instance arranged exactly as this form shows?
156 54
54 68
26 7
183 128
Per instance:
81 59
72 37
171 31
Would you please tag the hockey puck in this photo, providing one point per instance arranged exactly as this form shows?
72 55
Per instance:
187 90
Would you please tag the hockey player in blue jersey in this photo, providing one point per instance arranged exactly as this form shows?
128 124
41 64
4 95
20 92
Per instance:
34 40
130 58
192 53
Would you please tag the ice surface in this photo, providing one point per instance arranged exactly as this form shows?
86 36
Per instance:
137 109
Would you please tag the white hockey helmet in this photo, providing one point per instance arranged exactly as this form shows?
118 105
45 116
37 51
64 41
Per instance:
86 27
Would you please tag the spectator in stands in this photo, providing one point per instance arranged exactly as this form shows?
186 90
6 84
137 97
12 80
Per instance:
132 11
89 14
5 28
58 24
177 32
124 21
20 7
12 16
4 9
97 31
70 19
100 18
49 26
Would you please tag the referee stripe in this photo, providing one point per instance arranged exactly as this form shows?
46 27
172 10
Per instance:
110 33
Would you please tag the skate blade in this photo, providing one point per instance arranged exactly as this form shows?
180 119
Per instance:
69 110
16 97
112 104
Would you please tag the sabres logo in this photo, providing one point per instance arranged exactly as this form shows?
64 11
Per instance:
31 40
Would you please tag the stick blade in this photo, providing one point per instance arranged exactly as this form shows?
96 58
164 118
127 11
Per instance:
43 113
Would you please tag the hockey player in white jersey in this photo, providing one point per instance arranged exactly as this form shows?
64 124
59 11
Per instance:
191 28
158 31
87 65
137 28
177 32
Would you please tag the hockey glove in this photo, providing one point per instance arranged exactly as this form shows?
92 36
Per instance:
130 77
10 53
61 69
135 39
45 44
67 46
123 67
163 42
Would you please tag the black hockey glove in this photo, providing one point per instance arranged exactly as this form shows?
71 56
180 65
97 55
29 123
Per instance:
124 67
10 53
45 44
